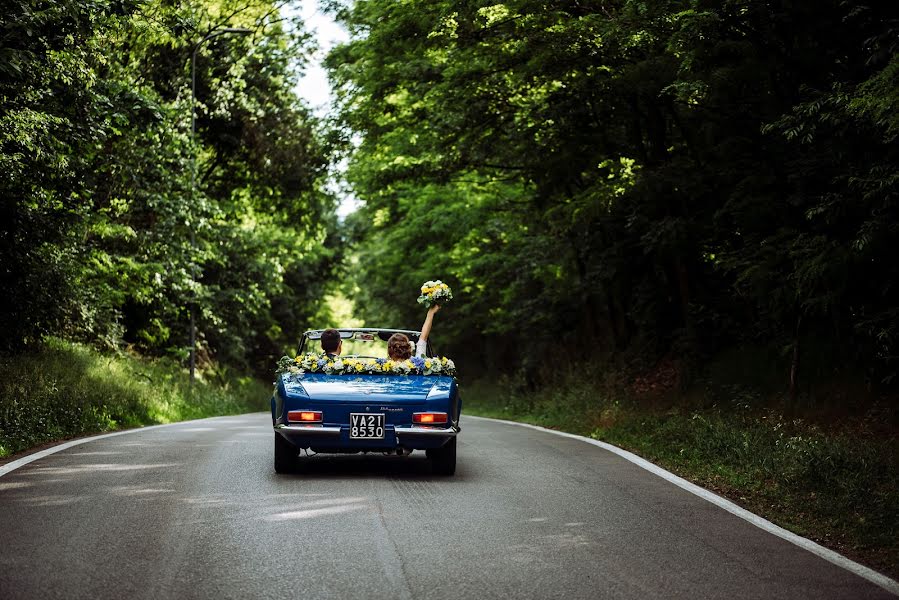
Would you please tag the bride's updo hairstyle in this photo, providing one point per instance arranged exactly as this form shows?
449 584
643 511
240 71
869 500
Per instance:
399 347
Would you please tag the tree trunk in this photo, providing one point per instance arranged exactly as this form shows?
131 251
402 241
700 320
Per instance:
614 321
683 285
794 363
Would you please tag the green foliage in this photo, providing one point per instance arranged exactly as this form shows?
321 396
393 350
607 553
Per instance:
101 237
638 179
67 390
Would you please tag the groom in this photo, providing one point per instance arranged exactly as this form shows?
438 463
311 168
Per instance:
331 343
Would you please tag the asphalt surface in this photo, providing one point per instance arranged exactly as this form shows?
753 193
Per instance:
196 511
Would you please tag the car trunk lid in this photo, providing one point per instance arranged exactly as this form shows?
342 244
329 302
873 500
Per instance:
367 389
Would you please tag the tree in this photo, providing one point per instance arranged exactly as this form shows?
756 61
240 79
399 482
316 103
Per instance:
95 136
666 178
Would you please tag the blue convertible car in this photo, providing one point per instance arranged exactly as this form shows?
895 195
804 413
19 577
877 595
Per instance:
365 411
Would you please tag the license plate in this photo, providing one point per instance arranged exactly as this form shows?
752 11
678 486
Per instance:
367 426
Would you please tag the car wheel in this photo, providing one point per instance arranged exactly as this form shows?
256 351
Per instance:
286 455
443 460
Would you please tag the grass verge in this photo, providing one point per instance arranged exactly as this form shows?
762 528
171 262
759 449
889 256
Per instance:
67 390
837 485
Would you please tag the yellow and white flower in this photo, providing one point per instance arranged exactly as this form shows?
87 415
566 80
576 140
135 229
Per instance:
435 292
314 363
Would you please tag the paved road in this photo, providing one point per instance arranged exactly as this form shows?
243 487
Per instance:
196 511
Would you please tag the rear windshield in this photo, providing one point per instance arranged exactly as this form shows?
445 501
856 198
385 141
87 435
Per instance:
365 346
358 344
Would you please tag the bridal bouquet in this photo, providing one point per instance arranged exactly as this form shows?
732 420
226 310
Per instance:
435 292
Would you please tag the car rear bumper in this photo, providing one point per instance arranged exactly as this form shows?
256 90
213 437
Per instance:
304 430
337 437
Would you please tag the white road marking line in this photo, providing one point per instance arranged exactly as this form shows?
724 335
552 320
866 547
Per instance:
21 462
871 575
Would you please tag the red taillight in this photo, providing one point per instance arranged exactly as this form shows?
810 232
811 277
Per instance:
304 416
429 418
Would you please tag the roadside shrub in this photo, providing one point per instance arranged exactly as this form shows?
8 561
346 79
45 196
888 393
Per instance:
65 390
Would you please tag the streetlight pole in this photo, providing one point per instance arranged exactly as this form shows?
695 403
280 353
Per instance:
193 172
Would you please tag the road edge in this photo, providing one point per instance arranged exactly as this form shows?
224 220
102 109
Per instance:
827 554
21 462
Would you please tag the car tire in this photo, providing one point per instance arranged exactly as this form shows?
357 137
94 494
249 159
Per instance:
286 455
443 460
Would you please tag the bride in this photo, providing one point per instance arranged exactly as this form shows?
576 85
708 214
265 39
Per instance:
399 348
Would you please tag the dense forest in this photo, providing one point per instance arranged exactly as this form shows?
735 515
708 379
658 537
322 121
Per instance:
646 183
652 182
102 238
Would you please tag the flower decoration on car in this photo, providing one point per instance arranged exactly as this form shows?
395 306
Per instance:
315 363
435 292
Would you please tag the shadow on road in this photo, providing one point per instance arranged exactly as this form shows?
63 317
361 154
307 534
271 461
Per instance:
323 466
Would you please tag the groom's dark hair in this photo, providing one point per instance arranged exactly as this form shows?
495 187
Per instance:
330 340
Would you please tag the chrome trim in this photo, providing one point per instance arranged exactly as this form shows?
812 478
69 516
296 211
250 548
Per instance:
316 334
318 430
426 431
307 430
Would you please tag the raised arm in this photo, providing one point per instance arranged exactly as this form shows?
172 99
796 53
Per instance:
429 321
